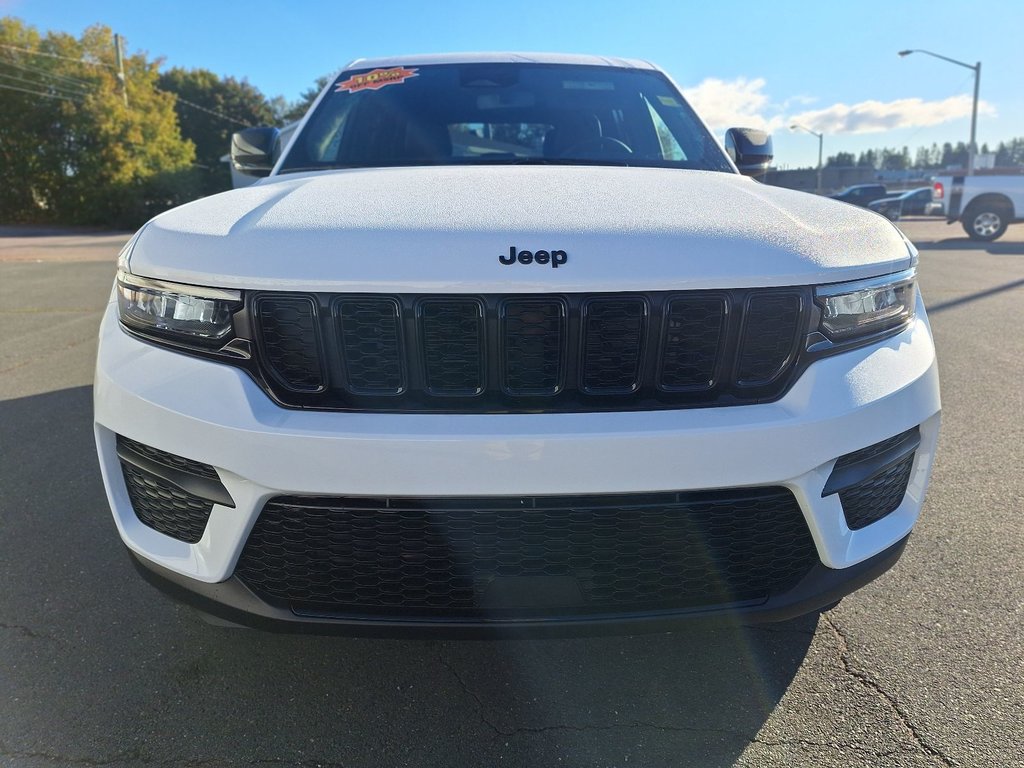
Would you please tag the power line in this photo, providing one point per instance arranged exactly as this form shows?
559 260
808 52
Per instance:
36 93
71 81
221 115
87 86
54 56
52 87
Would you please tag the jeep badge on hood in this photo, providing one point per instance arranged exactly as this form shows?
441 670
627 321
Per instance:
554 258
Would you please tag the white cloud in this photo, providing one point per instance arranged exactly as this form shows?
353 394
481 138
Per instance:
876 116
744 102
728 103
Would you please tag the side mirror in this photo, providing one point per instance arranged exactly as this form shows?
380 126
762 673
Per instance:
254 150
750 149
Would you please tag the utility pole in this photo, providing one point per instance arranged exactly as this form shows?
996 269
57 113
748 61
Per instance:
972 148
821 144
120 67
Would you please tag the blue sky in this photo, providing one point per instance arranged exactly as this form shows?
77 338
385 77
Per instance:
830 65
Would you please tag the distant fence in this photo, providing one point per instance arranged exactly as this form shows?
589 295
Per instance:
834 178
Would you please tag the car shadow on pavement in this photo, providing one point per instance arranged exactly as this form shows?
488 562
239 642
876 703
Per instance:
996 248
100 667
977 296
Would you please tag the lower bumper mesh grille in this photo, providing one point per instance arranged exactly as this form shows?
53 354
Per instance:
165 507
170 493
533 556
870 501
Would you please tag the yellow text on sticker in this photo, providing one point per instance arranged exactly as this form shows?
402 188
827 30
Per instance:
378 78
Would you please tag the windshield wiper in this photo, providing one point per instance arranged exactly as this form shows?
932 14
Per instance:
473 161
546 161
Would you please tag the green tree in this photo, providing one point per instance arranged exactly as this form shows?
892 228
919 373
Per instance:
70 150
842 160
1010 153
953 157
298 108
868 159
895 160
209 109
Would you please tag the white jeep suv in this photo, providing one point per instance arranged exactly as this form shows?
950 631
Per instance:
506 342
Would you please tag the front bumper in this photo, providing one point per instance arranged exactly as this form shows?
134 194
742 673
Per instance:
232 602
215 414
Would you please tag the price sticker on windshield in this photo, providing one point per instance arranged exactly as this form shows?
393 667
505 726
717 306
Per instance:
375 80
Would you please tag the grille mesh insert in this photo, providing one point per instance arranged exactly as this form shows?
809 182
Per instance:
290 338
612 345
452 337
164 507
446 557
878 496
693 335
769 337
371 346
533 342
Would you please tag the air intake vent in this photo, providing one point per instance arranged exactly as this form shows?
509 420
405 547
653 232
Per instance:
769 343
491 556
613 334
289 336
452 332
692 342
371 346
533 335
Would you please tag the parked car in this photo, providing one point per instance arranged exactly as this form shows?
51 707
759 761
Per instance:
861 194
913 202
507 343
984 205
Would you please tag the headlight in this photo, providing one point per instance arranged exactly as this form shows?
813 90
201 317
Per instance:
188 314
866 307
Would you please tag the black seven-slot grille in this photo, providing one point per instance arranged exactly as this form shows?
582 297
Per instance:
515 557
502 353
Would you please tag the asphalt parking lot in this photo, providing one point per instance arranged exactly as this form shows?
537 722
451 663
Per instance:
921 668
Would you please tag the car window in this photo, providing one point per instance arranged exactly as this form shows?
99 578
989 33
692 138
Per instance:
503 113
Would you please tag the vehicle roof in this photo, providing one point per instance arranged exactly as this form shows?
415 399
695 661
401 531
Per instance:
498 57
905 193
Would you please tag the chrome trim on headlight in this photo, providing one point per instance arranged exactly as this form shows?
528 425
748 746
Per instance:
174 313
837 289
200 291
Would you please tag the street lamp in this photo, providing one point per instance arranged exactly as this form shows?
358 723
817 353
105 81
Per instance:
821 138
972 148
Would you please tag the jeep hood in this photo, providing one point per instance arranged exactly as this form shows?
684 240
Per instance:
442 229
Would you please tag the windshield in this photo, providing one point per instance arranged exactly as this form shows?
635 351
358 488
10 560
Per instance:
474 114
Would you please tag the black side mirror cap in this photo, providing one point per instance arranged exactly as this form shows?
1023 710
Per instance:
254 150
750 149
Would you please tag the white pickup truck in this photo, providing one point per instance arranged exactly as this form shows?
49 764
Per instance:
985 205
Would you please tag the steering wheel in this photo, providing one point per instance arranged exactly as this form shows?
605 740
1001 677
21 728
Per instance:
604 146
